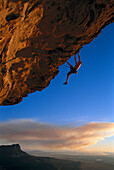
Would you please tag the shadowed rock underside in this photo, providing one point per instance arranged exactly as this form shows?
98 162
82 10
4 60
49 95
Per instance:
38 36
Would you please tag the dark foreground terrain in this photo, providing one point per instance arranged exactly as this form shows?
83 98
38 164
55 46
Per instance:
13 158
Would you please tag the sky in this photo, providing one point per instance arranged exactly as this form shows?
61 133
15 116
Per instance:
78 116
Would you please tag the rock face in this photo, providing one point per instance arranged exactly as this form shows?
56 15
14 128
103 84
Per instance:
37 36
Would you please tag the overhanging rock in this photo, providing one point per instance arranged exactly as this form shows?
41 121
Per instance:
38 36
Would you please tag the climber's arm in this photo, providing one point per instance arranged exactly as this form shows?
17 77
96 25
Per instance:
79 57
69 64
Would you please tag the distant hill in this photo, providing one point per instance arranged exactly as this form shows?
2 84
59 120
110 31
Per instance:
13 158
11 151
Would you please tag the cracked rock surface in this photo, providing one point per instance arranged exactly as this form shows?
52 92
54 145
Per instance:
38 36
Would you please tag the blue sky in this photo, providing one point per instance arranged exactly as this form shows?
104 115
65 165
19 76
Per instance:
86 104
88 95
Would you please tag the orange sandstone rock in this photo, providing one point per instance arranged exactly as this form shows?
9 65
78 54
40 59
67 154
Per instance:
37 36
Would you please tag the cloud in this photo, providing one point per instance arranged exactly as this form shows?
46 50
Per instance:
36 135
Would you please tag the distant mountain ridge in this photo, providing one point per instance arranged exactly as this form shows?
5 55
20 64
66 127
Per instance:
11 151
13 158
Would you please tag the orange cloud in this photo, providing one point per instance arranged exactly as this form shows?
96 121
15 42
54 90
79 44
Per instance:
35 135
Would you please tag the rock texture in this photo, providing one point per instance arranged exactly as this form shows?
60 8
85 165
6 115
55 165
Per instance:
37 36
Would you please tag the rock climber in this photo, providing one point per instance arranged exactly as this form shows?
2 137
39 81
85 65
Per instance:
73 69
